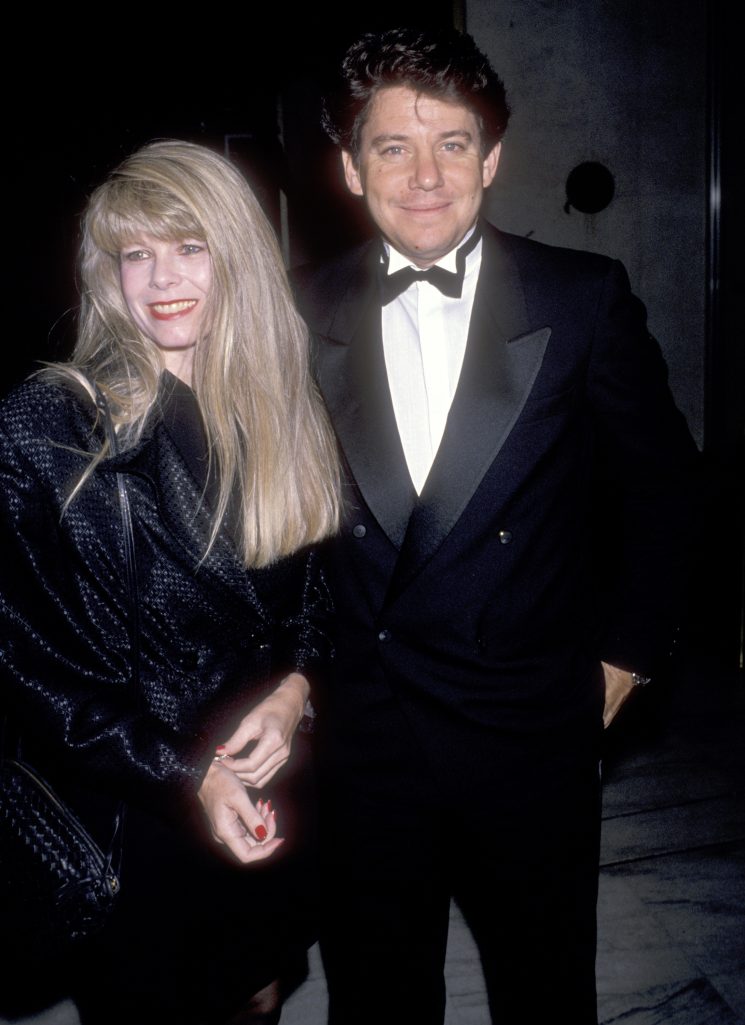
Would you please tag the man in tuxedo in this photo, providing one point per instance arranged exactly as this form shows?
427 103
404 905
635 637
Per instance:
518 517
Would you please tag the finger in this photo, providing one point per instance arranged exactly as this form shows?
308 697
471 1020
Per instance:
233 836
269 816
258 782
611 710
256 777
270 819
249 774
272 743
241 818
239 839
247 730
262 781
246 850
262 851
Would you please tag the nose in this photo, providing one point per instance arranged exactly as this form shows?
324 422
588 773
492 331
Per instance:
426 172
163 271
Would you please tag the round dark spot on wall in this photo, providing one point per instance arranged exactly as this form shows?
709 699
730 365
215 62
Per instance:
590 188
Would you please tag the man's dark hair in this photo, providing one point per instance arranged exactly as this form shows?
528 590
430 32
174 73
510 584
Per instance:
446 64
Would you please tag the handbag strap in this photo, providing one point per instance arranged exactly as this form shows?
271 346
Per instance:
130 561
114 854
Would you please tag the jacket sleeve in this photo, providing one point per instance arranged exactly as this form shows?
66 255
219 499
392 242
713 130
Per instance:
649 483
305 629
65 660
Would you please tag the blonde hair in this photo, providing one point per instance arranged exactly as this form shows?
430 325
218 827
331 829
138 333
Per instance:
267 431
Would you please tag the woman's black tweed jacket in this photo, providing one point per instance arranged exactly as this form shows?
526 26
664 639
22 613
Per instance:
214 638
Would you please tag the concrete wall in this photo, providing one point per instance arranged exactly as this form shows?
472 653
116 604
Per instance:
621 82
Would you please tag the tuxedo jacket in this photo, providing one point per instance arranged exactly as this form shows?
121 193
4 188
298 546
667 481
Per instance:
554 528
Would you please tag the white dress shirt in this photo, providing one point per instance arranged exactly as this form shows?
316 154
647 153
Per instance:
424 341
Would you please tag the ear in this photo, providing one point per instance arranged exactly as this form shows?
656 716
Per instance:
490 165
351 174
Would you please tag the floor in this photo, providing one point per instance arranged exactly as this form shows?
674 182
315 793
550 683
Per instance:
672 888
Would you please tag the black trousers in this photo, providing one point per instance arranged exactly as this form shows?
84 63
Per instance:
516 845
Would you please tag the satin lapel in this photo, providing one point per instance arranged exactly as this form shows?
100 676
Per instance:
353 378
503 357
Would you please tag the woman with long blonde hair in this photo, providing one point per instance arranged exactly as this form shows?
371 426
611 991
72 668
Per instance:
190 382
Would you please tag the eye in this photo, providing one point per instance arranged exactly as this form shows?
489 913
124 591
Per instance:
392 151
133 255
453 147
192 248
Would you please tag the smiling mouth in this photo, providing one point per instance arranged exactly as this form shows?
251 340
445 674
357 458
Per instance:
435 208
168 311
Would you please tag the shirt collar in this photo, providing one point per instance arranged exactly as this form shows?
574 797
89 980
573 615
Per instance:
397 260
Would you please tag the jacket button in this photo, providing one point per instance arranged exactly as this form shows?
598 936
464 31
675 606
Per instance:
359 530
384 635
505 536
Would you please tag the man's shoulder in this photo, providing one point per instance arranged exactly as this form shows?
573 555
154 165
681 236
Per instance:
321 287
536 257
333 273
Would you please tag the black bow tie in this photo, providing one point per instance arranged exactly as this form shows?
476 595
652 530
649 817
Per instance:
450 283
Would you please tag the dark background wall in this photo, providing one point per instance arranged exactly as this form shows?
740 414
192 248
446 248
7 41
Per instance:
623 85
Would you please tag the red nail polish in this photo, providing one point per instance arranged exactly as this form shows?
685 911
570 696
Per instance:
220 747
261 833
269 805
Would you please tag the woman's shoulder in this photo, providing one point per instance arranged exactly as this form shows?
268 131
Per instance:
45 399
50 408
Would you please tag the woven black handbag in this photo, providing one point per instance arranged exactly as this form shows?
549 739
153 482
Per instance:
56 884
55 880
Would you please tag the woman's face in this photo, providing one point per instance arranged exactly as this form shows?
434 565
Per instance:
166 286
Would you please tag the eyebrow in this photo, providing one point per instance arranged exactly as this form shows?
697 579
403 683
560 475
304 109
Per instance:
385 137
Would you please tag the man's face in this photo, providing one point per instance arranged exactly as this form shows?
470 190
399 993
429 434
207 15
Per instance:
421 171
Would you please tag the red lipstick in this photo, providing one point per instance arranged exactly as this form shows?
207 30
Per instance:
172 310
